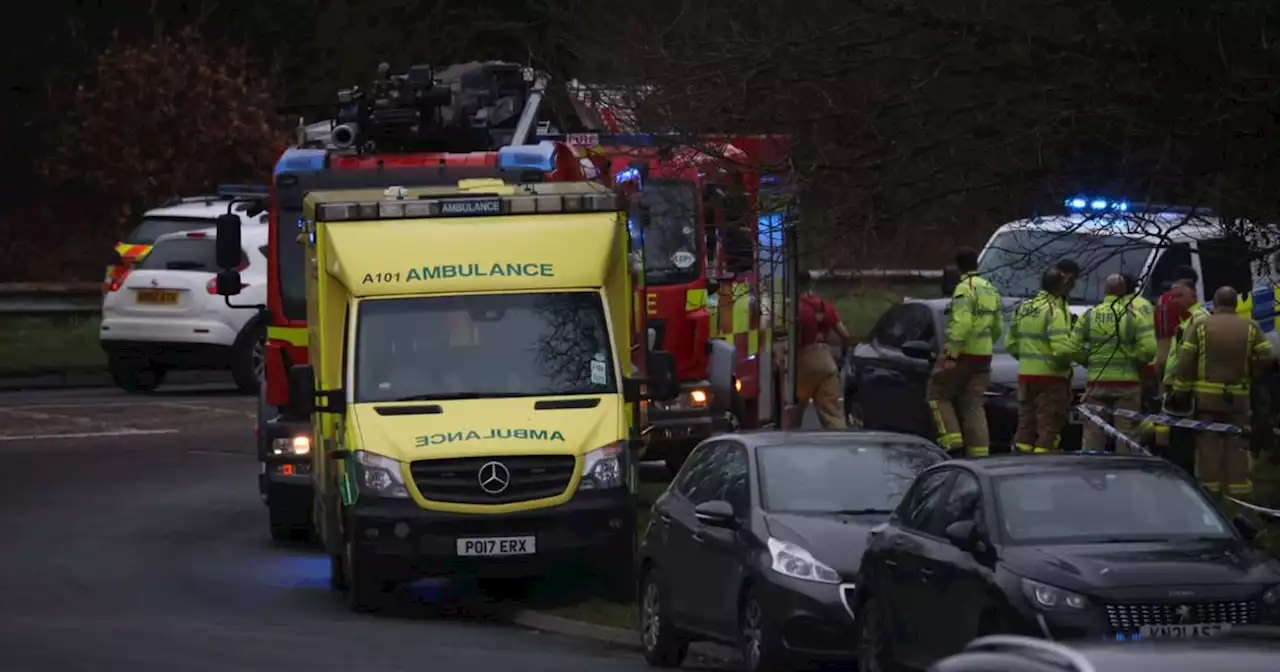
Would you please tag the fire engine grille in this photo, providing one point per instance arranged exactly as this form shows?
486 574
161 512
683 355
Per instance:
459 480
1128 618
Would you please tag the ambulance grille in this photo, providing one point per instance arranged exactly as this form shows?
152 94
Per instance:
1127 618
458 480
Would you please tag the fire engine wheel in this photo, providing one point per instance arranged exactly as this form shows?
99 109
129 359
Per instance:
135 375
247 359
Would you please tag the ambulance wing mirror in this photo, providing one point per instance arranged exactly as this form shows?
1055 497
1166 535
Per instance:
227 251
305 399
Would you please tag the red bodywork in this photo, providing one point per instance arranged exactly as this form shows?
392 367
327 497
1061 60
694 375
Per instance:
282 352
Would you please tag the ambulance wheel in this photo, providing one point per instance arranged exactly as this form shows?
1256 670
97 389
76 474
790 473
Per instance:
365 593
248 359
135 375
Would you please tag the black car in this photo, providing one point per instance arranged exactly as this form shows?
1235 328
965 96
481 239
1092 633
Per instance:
1240 651
1092 546
757 540
886 375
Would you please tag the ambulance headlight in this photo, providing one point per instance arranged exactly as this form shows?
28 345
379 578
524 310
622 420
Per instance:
602 468
379 476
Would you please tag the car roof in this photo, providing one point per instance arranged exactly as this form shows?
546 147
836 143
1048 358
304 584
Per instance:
207 209
1022 463
249 235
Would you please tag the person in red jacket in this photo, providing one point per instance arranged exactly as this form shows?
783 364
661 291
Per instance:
817 374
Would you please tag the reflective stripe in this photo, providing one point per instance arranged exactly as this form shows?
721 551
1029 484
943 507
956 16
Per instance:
292 335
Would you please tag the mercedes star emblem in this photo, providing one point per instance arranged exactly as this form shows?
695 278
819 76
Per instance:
1184 614
494 477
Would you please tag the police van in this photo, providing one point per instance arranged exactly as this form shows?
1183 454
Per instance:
1148 241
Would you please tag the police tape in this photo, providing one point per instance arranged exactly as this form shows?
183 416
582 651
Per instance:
1141 450
1169 420
1088 412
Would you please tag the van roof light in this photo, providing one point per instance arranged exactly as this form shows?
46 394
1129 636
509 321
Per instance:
469 206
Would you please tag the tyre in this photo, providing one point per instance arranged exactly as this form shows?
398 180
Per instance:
366 592
761 644
874 652
664 645
248 358
135 375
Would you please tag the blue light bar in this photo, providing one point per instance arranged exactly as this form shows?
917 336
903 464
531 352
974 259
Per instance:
627 175
295 160
243 190
1082 203
539 157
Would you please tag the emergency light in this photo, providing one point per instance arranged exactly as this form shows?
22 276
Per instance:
243 191
295 160
469 206
1083 203
540 157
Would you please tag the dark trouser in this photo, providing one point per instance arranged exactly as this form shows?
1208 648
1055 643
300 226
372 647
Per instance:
1042 410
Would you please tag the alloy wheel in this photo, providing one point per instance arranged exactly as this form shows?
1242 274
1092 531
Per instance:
258 358
650 616
752 626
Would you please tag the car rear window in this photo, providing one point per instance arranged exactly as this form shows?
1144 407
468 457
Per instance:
184 254
152 228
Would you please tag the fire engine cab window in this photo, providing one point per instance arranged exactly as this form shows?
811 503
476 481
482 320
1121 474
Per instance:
290 255
668 211
153 227
477 347
184 254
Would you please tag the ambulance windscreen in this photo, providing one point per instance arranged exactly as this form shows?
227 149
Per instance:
483 346
1015 260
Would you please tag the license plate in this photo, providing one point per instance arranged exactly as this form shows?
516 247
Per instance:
157 297
1184 631
498 546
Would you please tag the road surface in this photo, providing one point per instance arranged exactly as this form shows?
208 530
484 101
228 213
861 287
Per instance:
134 540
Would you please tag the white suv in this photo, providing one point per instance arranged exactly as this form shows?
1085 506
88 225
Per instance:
166 314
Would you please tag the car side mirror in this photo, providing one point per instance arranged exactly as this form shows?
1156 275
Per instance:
227 250
917 350
716 513
961 534
1248 531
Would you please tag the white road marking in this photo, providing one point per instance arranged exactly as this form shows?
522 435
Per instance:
90 435
23 413
209 409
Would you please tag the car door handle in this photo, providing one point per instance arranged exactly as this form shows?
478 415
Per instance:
890 563
926 573
665 518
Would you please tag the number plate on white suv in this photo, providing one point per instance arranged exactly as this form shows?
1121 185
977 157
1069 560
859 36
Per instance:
498 546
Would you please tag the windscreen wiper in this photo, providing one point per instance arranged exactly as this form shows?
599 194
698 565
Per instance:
458 396
861 512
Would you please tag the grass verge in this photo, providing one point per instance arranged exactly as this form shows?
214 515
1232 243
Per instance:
63 343
861 308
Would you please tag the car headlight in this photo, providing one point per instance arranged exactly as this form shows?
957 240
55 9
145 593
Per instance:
297 445
1271 596
797 563
687 401
379 475
1045 596
602 468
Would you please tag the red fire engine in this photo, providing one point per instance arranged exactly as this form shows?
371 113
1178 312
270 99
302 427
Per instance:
421 128
714 257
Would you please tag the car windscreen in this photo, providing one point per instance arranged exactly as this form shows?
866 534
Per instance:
153 227
1015 260
863 476
1098 505
183 254
483 346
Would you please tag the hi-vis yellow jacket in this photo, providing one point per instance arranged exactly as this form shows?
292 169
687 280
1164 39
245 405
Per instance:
1040 337
1113 341
976 319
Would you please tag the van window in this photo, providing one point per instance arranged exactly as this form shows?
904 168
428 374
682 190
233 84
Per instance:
1225 262
1171 259
153 227
482 346
1014 260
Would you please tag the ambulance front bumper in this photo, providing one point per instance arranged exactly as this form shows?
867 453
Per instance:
398 541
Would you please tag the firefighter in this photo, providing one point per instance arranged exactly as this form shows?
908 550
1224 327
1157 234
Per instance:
1178 443
1113 342
960 377
1149 374
1040 339
1215 364
817 374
